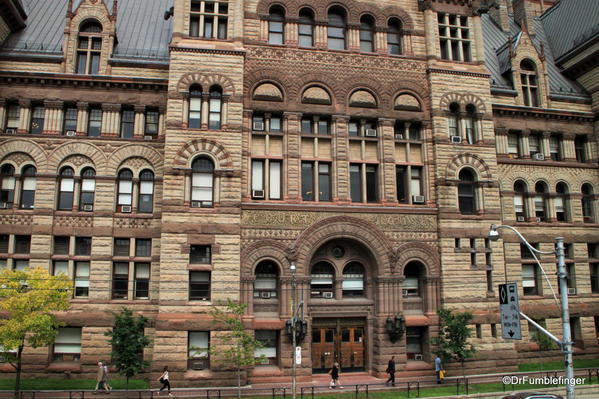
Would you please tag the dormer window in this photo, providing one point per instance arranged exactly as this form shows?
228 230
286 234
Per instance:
208 19
528 78
89 48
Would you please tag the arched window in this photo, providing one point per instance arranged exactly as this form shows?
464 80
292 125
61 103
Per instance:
540 199
336 29
7 193
519 201
276 25
561 203
125 191
353 280
470 124
89 48
202 183
146 191
394 36
88 190
467 192
322 284
265 286
367 34
413 273
215 108
66 189
588 213
528 78
194 120
28 182
305 28
453 120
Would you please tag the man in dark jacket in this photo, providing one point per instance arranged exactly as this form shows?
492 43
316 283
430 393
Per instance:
391 371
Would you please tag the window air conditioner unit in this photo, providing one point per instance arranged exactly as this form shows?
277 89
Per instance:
520 218
11 130
3 205
88 207
257 193
370 133
538 156
258 126
456 139
70 133
149 137
538 219
418 356
398 136
265 294
196 204
126 209
418 199
571 291
327 295
198 364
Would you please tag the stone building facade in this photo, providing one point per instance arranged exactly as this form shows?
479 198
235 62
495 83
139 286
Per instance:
169 155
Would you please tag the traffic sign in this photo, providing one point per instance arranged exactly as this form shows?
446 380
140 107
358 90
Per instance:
510 311
298 355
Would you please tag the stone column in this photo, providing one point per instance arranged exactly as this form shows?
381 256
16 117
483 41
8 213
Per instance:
341 158
387 143
82 118
224 115
320 34
205 109
293 155
406 43
53 117
161 118
291 38
24 116
380 40
545 144
524 145
76 191
529 201
110 120
477 38
2 113
501 140
353 37
430 26
569 150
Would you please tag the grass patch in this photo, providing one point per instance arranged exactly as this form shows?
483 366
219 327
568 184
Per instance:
558 365
60 384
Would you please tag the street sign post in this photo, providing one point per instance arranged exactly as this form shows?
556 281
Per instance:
510 311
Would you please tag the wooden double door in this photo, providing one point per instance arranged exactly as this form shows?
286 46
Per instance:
343 344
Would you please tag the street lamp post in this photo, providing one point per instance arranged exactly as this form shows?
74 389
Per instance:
566 342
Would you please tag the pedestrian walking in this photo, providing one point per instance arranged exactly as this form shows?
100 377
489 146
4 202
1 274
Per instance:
100 378
335 372
439 369
391 371
106 384
164 381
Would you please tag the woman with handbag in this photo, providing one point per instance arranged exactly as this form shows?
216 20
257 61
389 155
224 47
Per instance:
164 381
335 371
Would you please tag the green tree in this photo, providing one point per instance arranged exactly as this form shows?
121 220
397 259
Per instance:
128 341
28 299
238 346
452 342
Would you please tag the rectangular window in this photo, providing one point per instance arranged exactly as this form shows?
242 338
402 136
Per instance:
60 267
513 148
308 181
141 284
127 123
268 352
22 244
554 148
355 183
67 345
94 125
61 245
81 279
416 181
274 180
454 36
143 247
534 144
530 283
120 280
401 184
494 330
306 126
13 113
151 123
275 32
336 38
83 246
305 34
372 183
323 126
37 119
208 19
525 252
200 254
593 250
324 182
580 146
70 120
199 286
146 196
198 350
121 246
594 277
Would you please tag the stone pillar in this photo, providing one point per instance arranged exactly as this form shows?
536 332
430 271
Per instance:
139 125
387 143
545 144
569 150
406 43
263 27
341 158
524 145
76 191
529 209
224 115
291 120
353 37
54 117
380 41
501 140
135 194
320 34
24 116
110 120
430 26
161 114
477 37
82 118
205 109
291 32
2 113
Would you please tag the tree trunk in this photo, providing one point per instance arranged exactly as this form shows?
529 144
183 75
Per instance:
18 377
238 381
127 385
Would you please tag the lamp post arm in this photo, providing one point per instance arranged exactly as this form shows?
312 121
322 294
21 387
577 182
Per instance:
543 330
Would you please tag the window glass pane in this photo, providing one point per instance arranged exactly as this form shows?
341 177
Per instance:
257 175
143 247
125 186
275 180
307 181
146 187
355 183
324 182
61 267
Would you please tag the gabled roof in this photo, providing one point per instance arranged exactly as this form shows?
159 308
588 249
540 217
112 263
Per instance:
498 61
141 31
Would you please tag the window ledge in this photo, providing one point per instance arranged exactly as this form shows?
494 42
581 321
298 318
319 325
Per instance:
198 374
206 267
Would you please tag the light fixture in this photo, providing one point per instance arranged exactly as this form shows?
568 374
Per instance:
395 327
493 233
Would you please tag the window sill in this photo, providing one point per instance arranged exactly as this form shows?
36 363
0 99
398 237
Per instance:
206 267
72 367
